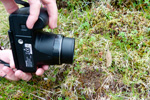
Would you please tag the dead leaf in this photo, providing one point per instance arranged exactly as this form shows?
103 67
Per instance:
108 58
108 5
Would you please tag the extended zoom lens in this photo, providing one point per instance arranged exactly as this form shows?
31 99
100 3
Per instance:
67 50
54 49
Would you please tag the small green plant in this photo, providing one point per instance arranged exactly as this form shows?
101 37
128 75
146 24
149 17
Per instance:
126 33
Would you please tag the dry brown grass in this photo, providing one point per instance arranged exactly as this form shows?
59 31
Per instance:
125 33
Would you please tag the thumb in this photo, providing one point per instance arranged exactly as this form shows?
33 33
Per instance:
10 5
11 61
12 64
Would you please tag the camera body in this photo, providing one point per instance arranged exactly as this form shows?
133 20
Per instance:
33 48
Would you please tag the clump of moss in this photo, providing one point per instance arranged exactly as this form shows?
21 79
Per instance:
129 33
73 3
127 27
61 4
137 4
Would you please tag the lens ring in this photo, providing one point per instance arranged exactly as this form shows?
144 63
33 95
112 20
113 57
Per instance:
67 52
60 50
57 48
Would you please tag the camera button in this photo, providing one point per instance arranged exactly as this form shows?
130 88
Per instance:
20 41
23 28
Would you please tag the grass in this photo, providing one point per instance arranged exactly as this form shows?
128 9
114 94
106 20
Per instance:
121 34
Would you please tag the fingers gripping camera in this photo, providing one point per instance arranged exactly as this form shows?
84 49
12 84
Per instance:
34 47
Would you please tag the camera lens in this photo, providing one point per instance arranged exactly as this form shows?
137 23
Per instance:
67 50
54 49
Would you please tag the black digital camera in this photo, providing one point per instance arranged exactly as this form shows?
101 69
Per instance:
34 47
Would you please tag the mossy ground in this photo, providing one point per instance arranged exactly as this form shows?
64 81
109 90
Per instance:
102 32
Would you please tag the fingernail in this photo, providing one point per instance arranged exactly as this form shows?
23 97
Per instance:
23 75
12 65
55 25
29 25
20 75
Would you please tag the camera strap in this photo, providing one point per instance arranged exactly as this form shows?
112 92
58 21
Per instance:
25 4
4 63
1 61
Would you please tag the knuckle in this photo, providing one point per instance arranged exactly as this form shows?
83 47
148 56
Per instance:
49 1
38 4
35 2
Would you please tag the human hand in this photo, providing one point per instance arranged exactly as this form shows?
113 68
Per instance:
35 6
12 73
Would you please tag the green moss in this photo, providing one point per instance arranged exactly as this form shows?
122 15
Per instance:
134 4
124 32
73 4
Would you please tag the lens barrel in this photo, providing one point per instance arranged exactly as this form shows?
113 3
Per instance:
54 48
67 50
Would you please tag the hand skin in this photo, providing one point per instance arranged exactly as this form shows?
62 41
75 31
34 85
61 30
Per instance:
35 6
12 73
